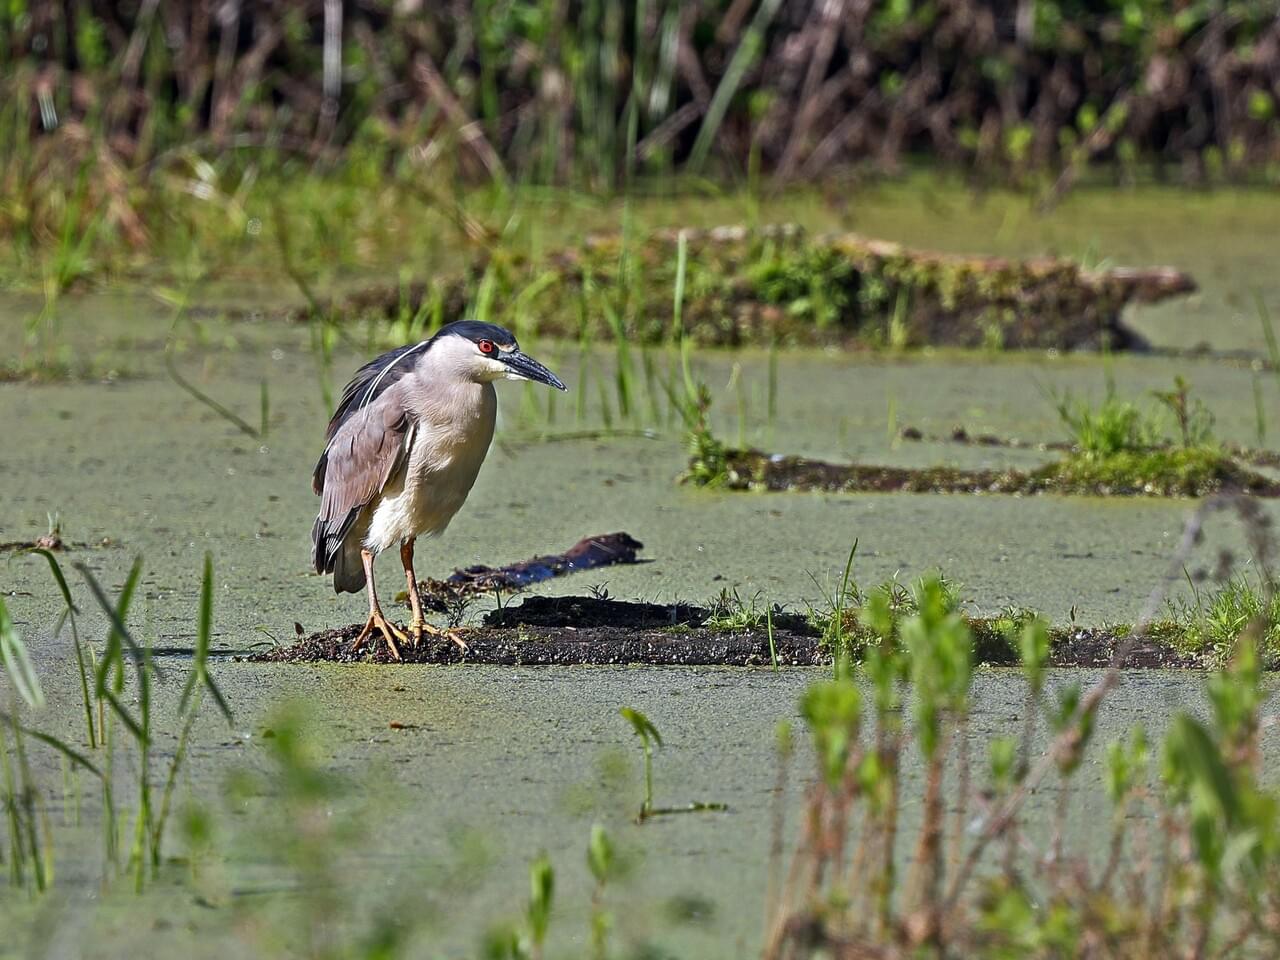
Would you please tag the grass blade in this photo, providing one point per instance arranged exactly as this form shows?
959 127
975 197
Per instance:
16 662
126 718
70 614
744 57
1269 332
218 698
116 615
112 654
204 638
56 568
773 648
67 751
204 628
191 389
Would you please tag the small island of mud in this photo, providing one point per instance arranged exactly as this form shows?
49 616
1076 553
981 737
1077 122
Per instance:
564 631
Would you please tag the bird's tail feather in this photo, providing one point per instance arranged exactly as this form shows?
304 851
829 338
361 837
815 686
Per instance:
337 551
348 571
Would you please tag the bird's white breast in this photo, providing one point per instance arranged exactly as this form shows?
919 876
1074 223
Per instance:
449 441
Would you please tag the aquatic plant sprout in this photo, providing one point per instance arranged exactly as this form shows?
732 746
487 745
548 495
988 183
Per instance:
649 738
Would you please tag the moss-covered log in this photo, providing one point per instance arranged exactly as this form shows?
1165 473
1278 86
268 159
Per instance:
777 284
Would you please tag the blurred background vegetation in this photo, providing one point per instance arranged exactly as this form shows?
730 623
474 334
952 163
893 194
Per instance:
110 109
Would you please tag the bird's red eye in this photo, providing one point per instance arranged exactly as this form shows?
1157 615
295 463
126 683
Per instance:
486 346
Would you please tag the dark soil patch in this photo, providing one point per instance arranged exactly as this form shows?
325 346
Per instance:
579 630
544 631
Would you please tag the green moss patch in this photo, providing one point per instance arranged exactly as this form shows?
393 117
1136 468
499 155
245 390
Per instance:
779 285
1167 472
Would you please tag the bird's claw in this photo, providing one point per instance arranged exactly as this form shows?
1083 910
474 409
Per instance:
450 633
390 632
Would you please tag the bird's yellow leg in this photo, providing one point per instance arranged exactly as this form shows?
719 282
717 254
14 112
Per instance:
451 632
419 626
390 632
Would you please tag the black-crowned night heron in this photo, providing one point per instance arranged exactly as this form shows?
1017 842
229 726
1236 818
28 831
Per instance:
403 450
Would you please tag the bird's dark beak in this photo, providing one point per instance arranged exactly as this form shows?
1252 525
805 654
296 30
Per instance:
525 367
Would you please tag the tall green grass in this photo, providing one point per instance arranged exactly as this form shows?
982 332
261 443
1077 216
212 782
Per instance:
119 670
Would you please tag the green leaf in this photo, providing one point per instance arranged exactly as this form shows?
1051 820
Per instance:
877 615
1003 752
16 662
833 710
542 886
1124 763
600 854
1033 648
1195 762
640 723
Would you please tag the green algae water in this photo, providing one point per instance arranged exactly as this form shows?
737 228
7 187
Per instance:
462 775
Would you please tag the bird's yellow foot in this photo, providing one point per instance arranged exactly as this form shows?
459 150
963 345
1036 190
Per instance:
390 632
421 628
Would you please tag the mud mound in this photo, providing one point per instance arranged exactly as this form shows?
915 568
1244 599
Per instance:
568 631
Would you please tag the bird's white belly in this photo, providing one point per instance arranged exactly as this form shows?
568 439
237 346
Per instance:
442 467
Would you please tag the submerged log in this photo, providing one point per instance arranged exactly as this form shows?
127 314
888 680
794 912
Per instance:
779 285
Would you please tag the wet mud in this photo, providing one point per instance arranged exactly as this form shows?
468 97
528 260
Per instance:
566 631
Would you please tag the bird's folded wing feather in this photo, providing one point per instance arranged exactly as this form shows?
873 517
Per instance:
364 454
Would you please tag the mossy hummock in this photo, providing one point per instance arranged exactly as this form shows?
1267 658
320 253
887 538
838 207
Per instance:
1161 472
778 285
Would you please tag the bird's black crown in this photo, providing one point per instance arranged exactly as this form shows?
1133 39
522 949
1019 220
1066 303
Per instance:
476 330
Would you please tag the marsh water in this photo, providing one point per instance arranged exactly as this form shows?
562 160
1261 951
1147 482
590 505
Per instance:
458 776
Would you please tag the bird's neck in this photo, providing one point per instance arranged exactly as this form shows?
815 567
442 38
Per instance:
457 402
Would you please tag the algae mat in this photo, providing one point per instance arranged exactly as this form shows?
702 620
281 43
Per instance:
529 757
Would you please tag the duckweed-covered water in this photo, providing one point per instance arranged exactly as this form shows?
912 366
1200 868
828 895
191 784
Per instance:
489 766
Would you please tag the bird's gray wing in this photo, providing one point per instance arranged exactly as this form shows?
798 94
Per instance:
373 379
365 451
